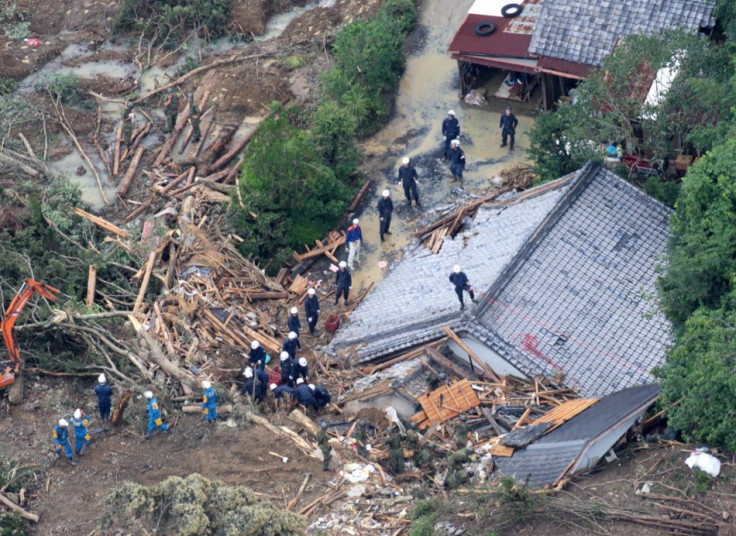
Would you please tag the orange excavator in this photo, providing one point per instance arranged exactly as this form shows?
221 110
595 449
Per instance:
29 288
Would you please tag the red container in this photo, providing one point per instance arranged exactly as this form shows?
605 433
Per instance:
274 375
332 323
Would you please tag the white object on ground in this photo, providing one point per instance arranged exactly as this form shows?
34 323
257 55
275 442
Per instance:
705 462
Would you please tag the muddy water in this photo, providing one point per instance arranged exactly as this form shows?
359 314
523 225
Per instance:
428 89
278 23
68 165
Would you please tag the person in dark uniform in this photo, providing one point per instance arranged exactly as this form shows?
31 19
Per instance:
293 321
257 355
104 394
343 282
450 130
291 344
171 109
301 368
321 395
385 209
128 116
460 280
508 124
287 369
195 115
457 160
304 395
408 179
279 395
311 309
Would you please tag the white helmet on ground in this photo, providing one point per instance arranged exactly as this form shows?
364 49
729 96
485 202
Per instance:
255 344
312 387
206 384
385 193
248 372
77 413
284 356
62 422
456 269
292 335
294 310
405 160
272 386
311 292
343 264
303 361
356 221
148 395
299 381
101 379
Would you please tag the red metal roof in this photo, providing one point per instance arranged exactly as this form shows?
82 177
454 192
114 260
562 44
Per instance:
564 68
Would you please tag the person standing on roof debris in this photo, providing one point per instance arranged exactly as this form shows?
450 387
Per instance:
209 402
171 109
396 453
301 368
385 209
154 416
291 344
343 282
460 438
508 124
456 473
81 437
460 280
321 395
104 397
195 114
324 446
60 436
279 395
451 131
127 116
457 160
408 179
287 369
311 308
293 321
354 238
257 355
304 395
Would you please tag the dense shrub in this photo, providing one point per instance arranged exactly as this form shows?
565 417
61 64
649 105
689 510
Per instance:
173 19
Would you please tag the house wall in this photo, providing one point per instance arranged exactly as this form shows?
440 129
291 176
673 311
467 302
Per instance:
496 362
403 407
600 446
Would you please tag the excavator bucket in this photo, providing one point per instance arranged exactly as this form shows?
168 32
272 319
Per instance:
7 378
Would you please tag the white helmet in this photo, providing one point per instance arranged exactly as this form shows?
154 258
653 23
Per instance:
294 310
311 292
385 193
248 372
292 335
148 395
312 387
284 356
255 344
455 143
405 160
355 221
451 112
77 413
303 361
299 381
343 264
273 386
456 269
101 378
206 384
62 422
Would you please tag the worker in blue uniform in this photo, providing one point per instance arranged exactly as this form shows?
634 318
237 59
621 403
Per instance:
283 395
408 179
385 210
508 124
209 402
81 437
291 344
104 397
311 308
256 383
460 280
60 436
287 369
154 416
301 368
450 130
304 395
293 321
457 160
257 355
343 282
321 395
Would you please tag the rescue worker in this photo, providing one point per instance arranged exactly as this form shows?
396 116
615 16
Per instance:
104 395
456 473
508 124
321 395
303 394
127 117
81 437
301 368
209 402
361 439
450 130
396 453
60 436
311 308
287 369
460 280
343 282
293 321
354 238
460 438
385 209
324 446
154 415
255 384
194 117
457 160
171 109
257 355
279 395
408 179
291 344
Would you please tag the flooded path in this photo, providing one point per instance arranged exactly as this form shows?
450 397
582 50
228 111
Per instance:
428 89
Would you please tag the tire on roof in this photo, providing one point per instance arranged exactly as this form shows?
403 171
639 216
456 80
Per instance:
511 10
484 28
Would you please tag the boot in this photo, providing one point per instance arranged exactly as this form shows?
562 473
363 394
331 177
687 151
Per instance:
70 462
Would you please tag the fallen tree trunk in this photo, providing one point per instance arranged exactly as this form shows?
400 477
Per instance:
225 409
117 413
307 424
25 514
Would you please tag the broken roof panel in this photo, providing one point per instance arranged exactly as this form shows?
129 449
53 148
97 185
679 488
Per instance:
586 32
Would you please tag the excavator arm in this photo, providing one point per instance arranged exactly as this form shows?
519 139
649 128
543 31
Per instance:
29 288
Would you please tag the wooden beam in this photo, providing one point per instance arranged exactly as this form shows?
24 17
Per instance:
482 364
91 285
130 174
102 223
144 284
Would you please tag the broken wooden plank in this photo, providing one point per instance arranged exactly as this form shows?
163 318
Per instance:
144 284
359 195
91 285
482 364
130 174
102 223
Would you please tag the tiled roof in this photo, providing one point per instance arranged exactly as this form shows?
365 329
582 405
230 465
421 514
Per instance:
580 298
586 31
540 464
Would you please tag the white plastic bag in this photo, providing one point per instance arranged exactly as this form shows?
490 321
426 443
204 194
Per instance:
705 462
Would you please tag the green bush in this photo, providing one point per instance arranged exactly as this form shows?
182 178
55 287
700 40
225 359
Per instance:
11 524
173 19
15 23
423 518
7 85
63 86
663 190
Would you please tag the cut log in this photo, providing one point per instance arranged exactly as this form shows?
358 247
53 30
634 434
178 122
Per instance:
234 150
359 195
130 174
144 284
119 410
116 152
102 223
23 513
171 140
91 285
307 424
225 409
